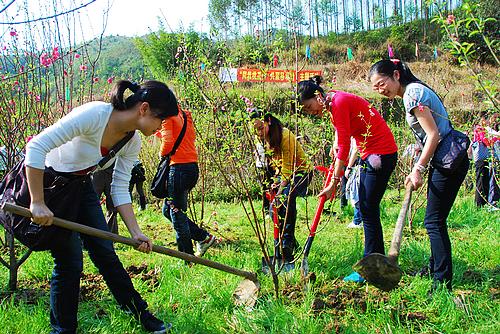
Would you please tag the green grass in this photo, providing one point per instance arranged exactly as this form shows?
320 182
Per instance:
199 299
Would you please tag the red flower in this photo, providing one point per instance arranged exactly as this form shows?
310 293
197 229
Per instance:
13 33
420 107
77 55
110 80
450 19
83 67
96 79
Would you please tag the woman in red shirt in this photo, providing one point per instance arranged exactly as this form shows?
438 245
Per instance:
352 116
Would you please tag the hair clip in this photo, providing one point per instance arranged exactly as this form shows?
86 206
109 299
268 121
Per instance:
395 61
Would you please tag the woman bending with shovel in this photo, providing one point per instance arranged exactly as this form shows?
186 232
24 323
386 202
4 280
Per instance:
428 120
294 173
73 147
352 116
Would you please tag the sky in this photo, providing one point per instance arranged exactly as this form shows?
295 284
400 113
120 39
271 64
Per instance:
137 17
126 17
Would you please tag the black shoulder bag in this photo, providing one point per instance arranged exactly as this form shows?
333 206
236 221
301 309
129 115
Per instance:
159 185
61 194
451 151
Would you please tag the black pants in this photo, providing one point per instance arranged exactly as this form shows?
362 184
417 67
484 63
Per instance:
441 193
482 182
287 212
372 185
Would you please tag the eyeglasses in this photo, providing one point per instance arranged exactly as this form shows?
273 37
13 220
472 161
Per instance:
380 84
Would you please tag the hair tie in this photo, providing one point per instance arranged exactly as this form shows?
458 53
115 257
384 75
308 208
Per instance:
134 87
254 113
395 61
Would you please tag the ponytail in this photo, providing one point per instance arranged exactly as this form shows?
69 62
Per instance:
310 88
161 99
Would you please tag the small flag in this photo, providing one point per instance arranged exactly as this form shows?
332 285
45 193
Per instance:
349 54
390 51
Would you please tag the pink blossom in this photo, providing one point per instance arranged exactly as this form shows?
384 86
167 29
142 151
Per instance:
96 79
65 73
77 55
83 67
450 19
55 53
110 80
38 98
45 60
13 33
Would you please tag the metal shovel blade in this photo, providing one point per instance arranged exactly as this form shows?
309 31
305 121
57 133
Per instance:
379 271
246 293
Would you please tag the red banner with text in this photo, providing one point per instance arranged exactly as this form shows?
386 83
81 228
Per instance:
257 75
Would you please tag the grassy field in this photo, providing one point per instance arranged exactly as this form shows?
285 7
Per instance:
199 299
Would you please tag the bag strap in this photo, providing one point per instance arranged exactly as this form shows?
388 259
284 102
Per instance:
117 147
181 135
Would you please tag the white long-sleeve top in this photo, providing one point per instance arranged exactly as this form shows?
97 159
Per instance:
74 143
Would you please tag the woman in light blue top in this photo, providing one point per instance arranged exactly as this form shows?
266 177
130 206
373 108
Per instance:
428 120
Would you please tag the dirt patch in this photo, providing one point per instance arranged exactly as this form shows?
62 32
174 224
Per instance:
472 276
142 272
412 316
26 296
91 286
339 296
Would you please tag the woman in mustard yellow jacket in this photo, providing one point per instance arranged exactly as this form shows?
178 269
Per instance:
293 175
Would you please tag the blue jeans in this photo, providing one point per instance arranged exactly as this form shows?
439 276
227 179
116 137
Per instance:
441 193
372 185
181 179
357 220
287 212
68 265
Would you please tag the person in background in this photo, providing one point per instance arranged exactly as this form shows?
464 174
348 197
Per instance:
353 116
73 146
429 121
353 174
293 175
266 172
183 176
137 180
482 149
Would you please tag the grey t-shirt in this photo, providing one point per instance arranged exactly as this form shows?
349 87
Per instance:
417 95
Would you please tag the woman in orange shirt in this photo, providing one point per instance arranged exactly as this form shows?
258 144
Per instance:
182 178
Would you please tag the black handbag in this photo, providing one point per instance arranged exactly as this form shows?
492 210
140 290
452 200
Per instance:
61 195
451 151
159 185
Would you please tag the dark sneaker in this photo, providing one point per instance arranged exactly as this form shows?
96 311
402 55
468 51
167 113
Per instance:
152 324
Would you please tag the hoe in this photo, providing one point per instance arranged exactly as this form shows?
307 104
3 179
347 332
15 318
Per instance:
380 270
245 294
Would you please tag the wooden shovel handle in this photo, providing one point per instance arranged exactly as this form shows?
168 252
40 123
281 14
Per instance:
21 211
400 223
